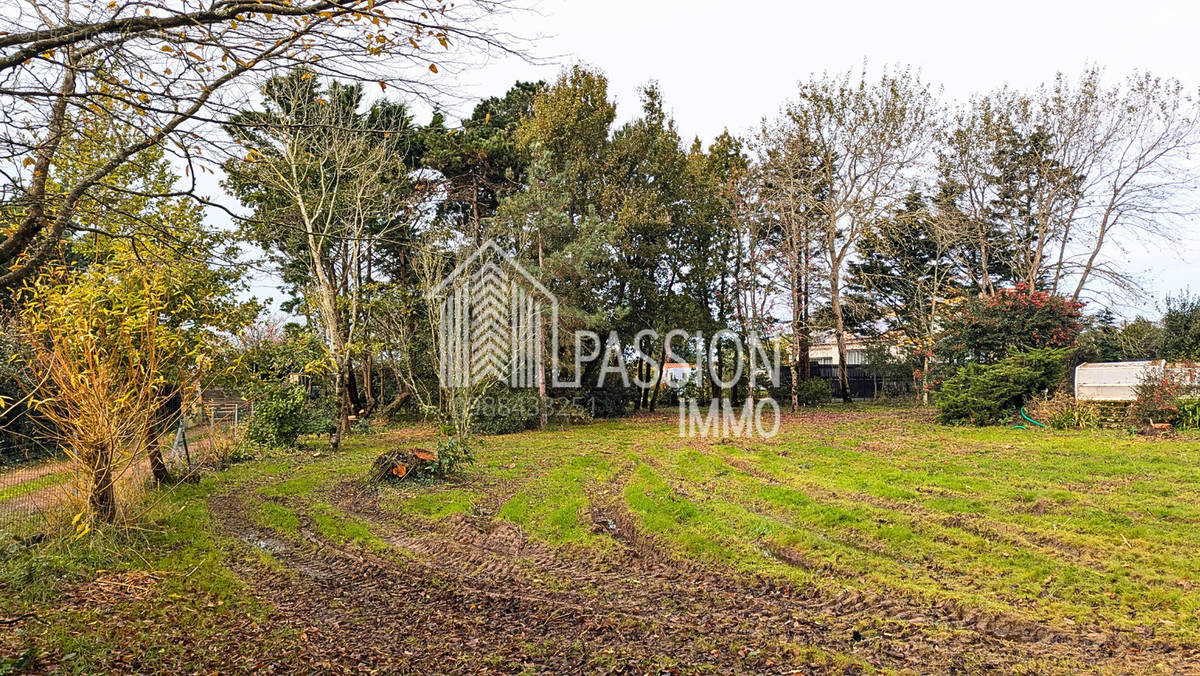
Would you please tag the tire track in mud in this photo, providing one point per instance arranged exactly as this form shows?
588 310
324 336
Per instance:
1010 534
992 530
1090 644
977 525
950 611
475 595
360 611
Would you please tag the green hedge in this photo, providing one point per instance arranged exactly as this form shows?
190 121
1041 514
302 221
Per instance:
282 414
504 410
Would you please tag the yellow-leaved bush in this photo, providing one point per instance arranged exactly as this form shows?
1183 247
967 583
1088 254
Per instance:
106 349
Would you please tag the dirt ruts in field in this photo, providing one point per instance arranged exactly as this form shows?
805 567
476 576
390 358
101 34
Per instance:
474 595
992 530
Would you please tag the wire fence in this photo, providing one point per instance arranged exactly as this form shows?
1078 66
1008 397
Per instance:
206 433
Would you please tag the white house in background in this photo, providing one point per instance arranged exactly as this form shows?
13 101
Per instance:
1111 381
675 375
825 352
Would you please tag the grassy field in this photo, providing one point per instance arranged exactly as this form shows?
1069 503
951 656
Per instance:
33 485
855 540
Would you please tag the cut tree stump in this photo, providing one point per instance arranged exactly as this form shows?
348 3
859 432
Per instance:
401 464
1156 429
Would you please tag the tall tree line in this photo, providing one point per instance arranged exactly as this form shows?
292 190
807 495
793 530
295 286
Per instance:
911 204
867 205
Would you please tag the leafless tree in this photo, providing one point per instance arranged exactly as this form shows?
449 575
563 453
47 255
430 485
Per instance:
966 164
870 139
1085 161
787 175
1137 142
170 69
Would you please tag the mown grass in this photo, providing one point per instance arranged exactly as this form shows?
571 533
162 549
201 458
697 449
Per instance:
434 503
1074 529
1069 528
17 490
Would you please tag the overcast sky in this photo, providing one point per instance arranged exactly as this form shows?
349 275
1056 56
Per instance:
721 64
724 64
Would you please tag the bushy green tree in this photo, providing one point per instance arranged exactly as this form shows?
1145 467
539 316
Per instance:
1104 340
988 394
906 274
481 162
622 225
505 410
269 353
283 412
553 222
1179 339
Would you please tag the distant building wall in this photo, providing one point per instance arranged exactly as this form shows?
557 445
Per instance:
1111 381
826 354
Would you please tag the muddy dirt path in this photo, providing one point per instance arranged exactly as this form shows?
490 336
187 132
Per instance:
474 595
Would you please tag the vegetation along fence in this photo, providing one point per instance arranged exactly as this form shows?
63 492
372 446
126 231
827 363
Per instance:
34 483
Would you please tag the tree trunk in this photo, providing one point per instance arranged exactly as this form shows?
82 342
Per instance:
640 402
339 396
369 400
719 392
795 334
541 374
795 380
985 275
924 380
805 362
662 360
1091 261
158 468
102 499
839 323
352 393
541 345
805 297
170 407
388 411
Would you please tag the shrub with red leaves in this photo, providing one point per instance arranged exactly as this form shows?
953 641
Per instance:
987 328
1161 394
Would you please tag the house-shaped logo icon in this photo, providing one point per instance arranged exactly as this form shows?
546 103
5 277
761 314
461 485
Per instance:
494 317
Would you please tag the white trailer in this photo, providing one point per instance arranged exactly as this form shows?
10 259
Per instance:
1111 381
